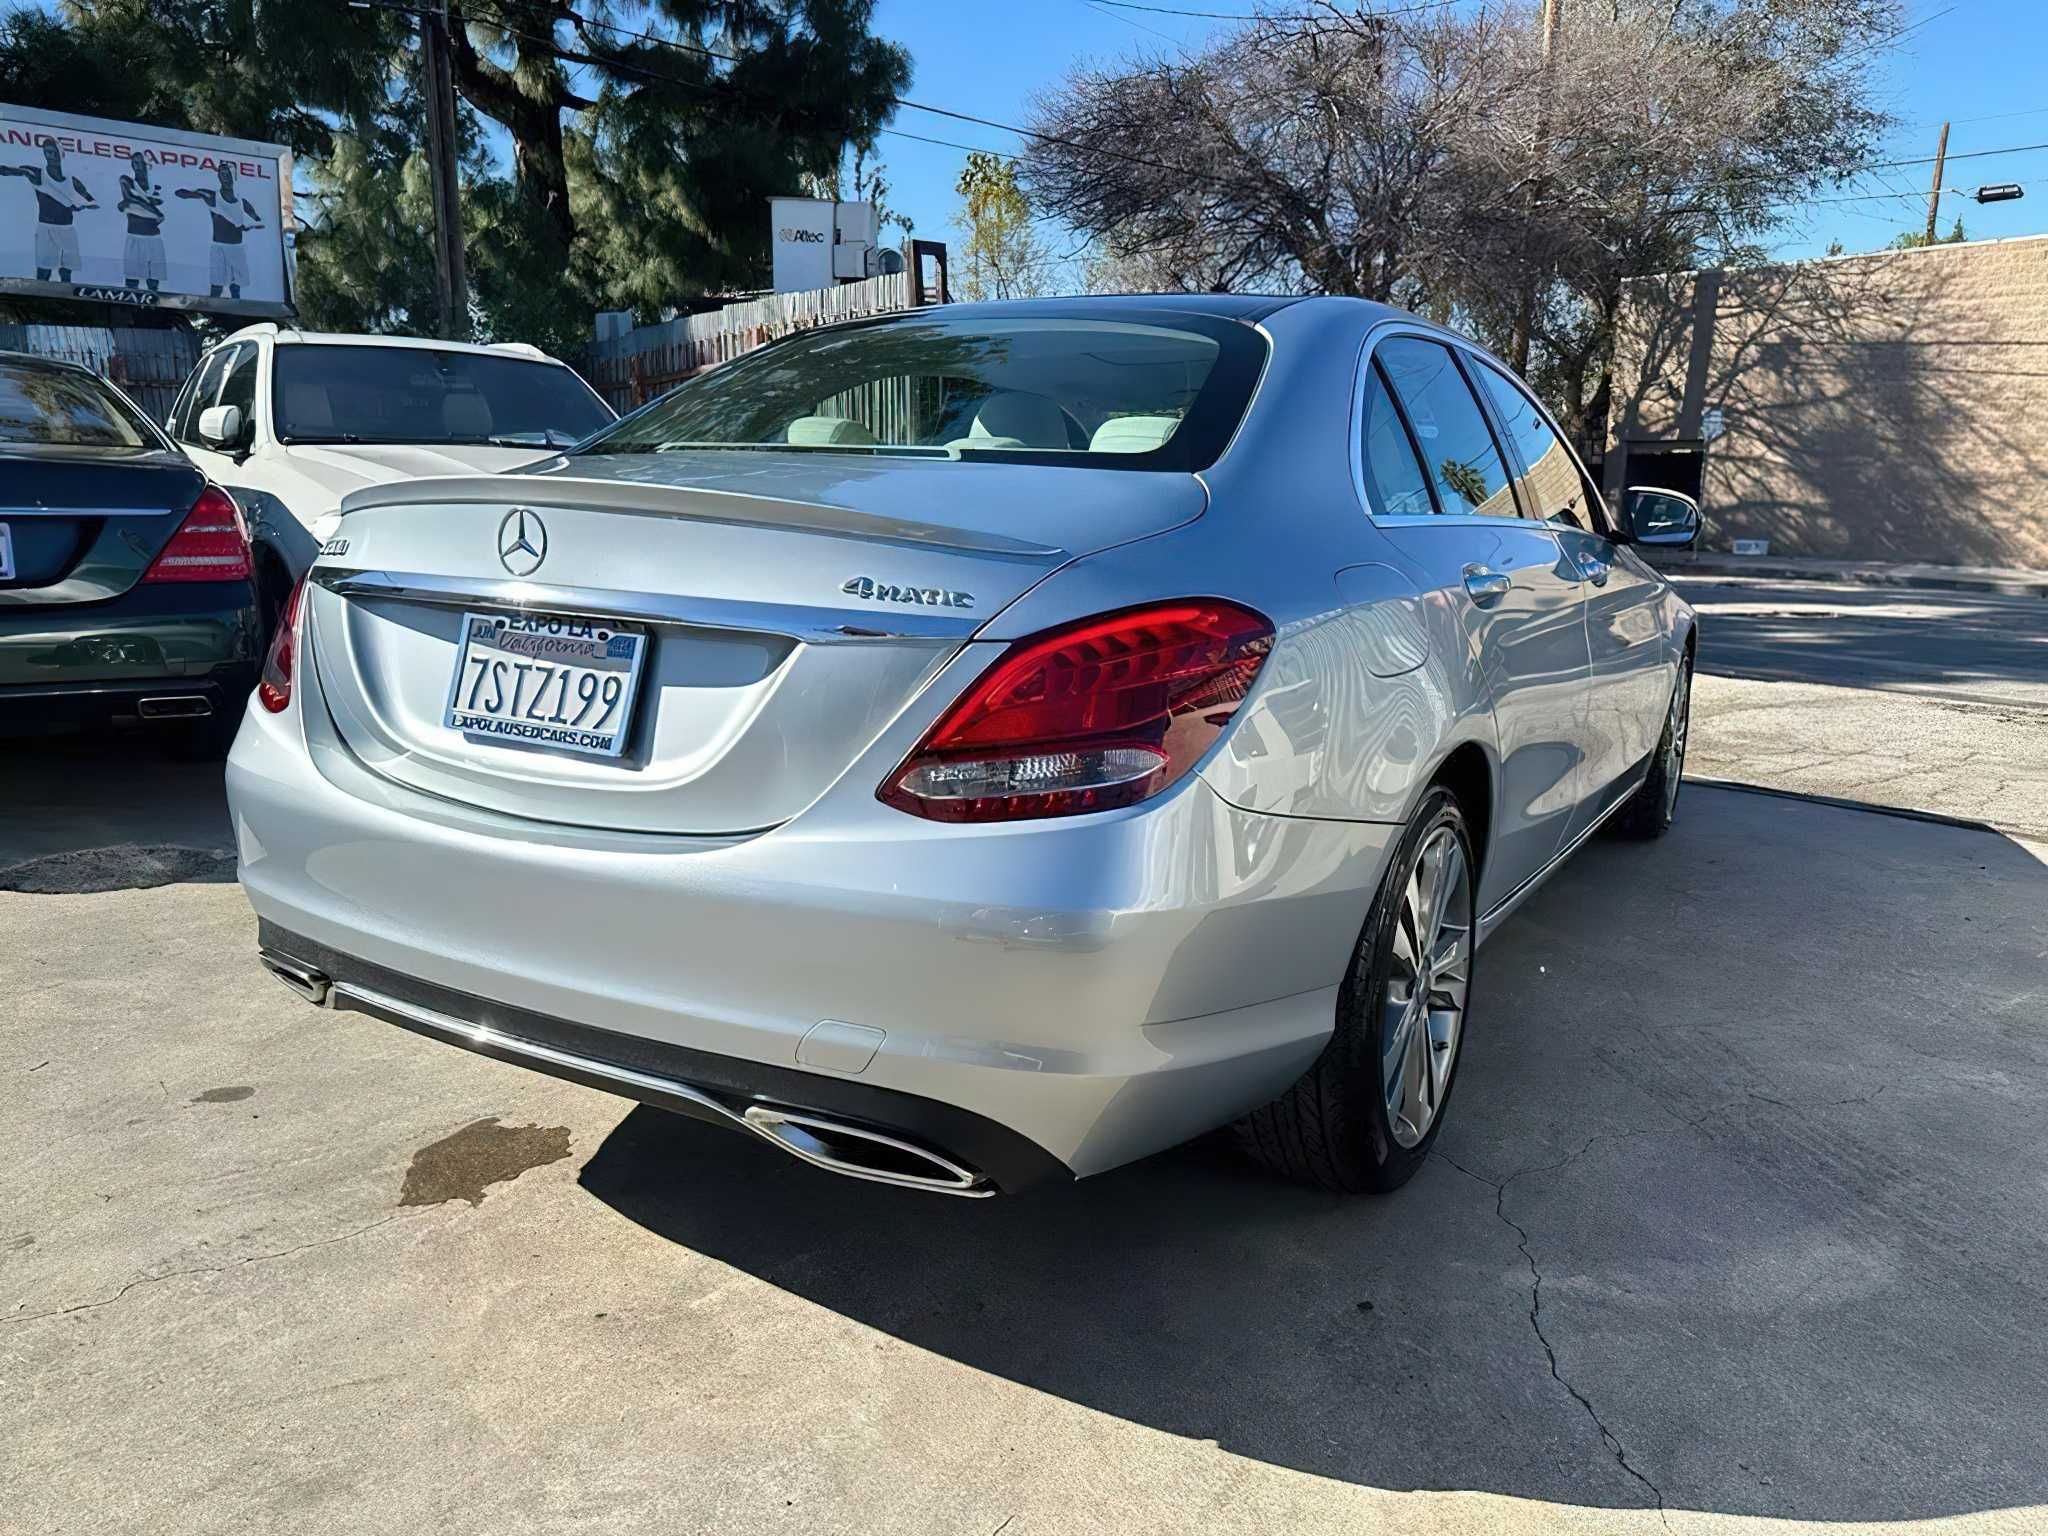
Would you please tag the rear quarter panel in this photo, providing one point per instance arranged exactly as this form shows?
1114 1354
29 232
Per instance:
1371 683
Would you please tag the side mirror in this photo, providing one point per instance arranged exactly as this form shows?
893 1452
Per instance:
1652 515
220 427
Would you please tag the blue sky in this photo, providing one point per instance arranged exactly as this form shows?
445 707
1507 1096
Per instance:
1981 63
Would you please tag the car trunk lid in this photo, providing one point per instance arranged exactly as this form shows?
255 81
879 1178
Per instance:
792 604
83 524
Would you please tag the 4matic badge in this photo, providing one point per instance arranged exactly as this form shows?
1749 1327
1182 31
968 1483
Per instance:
884 592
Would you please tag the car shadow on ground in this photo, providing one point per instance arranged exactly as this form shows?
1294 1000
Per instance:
107 811
1739 1208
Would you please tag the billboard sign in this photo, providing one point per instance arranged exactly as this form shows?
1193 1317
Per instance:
801 238
148 217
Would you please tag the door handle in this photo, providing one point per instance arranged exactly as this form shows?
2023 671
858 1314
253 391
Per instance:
1485 586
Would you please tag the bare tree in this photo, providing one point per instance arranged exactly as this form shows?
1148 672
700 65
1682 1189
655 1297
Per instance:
1436 161
1317 156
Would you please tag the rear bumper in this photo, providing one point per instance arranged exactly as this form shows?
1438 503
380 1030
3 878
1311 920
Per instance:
968 1155
34 711
63 666
1095 989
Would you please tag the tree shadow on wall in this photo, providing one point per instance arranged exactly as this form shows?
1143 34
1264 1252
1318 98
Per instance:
1874 409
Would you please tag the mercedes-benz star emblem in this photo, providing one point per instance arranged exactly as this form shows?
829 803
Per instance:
522 542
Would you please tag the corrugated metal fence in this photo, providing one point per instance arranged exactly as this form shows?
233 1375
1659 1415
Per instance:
149 364
633 368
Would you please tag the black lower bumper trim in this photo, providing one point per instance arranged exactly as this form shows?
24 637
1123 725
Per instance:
36 709
1009 1160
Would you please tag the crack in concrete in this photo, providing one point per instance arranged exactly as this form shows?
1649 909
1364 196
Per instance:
1608 1437
1500 1193
200 1269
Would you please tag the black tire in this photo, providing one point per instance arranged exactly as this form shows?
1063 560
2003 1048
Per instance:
1654 806
205 740
1332 1129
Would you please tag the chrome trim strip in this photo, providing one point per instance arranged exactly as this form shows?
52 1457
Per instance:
764 1121
1504 909
813 626
540 491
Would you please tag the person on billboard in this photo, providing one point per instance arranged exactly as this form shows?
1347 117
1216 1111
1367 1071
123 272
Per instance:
228 266
143 260
56 235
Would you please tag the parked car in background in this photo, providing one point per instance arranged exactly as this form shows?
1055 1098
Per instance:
126 585
984 744
291 421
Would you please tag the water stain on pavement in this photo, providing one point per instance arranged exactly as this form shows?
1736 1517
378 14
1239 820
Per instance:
462 1165
223 1095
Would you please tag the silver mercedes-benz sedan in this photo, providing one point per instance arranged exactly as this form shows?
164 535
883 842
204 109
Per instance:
979 745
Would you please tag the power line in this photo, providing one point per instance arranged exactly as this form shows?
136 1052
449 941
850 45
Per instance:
547 44
1363 14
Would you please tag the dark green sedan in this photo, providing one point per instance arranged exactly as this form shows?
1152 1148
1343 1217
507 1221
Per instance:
125 590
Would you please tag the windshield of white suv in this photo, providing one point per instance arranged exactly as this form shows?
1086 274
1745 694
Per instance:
1104 389
65 408
341 394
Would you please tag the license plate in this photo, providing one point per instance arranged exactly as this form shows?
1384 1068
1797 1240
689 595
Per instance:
546 680
6 554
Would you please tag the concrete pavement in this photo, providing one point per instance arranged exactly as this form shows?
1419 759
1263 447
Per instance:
1737 1226
1930 701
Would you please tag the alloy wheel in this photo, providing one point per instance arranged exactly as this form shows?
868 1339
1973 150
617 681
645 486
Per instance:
1424 1004
1676 728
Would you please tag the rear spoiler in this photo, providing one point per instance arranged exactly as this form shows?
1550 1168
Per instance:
701 503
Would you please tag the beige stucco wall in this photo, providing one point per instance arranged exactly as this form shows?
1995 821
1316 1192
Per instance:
1883 407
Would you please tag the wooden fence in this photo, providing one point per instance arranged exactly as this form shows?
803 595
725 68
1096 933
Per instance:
647 362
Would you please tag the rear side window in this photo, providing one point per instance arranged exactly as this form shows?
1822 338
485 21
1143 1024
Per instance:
1457 446
1552 477
1131 390
1394 481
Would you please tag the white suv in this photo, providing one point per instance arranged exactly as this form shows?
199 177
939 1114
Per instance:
291 421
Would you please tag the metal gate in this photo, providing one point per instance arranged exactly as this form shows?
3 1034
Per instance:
149 364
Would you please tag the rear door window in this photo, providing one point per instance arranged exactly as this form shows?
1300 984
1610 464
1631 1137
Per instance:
1395 484
1458 451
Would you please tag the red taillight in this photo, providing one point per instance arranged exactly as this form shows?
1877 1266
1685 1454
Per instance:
1088 717
275 688
211 544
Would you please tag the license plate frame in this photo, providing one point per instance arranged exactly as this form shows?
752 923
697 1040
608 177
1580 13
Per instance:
564 646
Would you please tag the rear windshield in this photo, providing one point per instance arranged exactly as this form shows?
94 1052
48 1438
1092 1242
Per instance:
1161 393
326 394
64 408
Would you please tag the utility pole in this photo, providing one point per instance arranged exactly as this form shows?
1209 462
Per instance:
1934 192
451 279
1525 317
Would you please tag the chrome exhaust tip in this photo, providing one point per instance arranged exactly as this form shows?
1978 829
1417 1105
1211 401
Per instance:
174 706
859 1153
301 978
